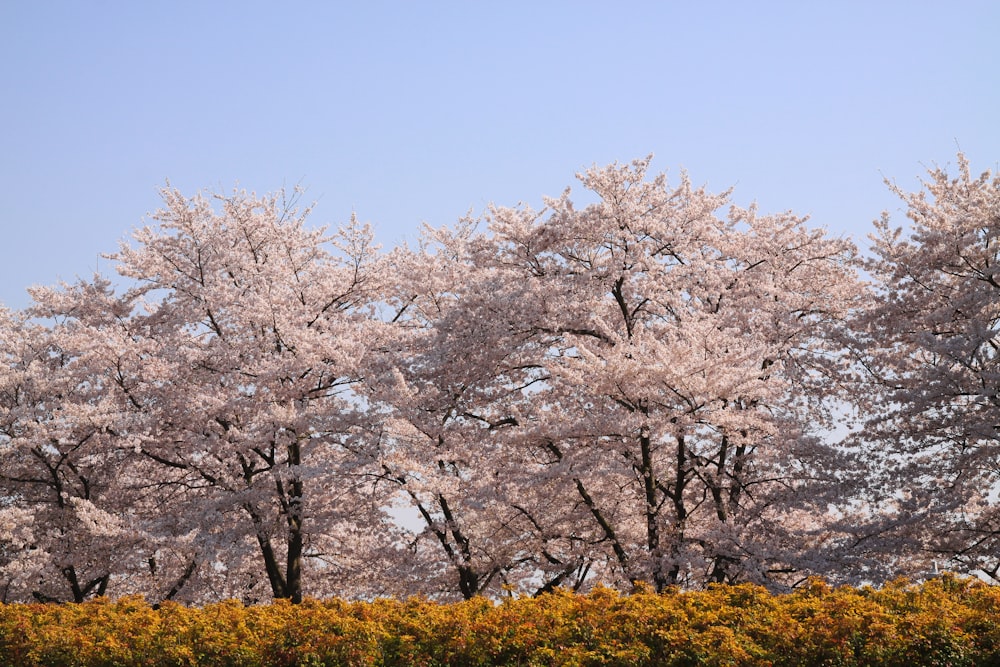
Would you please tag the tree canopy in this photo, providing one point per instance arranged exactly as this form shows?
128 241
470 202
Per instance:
646 390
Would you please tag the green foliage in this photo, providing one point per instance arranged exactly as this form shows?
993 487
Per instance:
947 621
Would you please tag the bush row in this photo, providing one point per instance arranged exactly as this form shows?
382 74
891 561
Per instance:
946 621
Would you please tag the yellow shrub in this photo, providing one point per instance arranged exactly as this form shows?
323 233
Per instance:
947 621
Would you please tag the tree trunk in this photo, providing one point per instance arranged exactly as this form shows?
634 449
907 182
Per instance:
293 567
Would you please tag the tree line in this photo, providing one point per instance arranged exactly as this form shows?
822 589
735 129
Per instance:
657 389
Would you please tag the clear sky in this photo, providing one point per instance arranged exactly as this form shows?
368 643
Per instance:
411 112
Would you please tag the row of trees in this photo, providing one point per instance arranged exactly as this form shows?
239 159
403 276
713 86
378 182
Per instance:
650 388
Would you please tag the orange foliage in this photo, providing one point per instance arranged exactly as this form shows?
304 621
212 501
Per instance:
947 621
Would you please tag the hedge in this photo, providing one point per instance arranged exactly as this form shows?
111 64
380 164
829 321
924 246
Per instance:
945 621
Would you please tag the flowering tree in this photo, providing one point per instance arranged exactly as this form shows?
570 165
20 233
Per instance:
689 347
461 370
932 346
259 330
654 368
199 437
79 497
214 398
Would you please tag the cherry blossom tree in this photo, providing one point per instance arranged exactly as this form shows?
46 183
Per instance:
61 466
460 371
689 342
930 341
656 369
213 403
260 327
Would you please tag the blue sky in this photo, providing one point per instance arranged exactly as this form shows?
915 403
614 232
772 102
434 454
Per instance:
410 112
